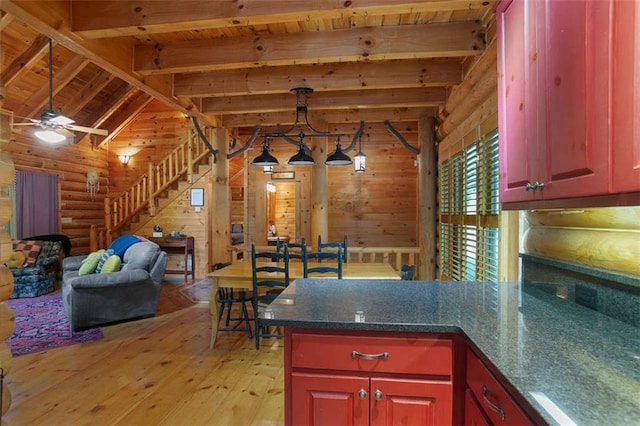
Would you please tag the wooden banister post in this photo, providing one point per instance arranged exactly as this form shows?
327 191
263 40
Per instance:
190 145
151 189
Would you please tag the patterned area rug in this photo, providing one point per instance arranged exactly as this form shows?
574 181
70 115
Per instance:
198 292
41 324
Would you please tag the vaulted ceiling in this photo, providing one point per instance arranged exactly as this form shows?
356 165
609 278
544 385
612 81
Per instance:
233 62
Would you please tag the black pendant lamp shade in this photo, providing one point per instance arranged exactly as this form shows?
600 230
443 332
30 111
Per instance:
301 158
265 158
338 158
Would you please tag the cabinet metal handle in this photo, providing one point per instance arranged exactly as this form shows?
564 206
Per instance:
355 354
362 394
494 407
534 186
378 394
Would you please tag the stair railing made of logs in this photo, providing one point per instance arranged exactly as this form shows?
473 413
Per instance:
144 192
395 256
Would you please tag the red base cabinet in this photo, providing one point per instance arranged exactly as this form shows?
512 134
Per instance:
358 379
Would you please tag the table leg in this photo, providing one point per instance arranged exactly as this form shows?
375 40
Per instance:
213 308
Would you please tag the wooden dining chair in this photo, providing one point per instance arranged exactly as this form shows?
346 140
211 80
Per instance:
267 288
333 245
295 249
313 263
226 297
407 272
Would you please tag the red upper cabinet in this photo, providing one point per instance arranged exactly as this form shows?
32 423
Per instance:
626 96
555 72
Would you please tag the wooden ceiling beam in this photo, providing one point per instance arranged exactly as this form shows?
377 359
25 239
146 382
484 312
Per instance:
335 76
352 45
337 116
40 99
140 17
88 92
5 19
123 117
52 18
26 60
348 99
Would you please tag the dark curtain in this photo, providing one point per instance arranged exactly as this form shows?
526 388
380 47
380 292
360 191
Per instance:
36 204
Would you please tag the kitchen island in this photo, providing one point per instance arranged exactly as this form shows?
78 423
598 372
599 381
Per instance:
560 362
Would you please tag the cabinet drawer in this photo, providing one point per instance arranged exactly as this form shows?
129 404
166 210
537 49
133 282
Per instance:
492 397
361 353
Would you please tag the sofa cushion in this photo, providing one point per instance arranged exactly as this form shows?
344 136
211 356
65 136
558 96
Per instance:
16 260
90 263
111 265
141 255
122 243
30 249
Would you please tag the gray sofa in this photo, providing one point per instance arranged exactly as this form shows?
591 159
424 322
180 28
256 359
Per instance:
132 292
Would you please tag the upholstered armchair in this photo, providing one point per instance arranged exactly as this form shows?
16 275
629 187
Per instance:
130 293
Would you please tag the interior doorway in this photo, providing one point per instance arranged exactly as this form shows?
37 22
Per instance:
282 209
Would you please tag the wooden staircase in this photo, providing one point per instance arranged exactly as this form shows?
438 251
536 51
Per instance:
156 189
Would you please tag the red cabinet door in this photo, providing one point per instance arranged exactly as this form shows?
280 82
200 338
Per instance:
626 97
327 399
517 99
404 401
473 413
577 68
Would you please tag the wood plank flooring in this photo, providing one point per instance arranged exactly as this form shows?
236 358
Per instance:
157 371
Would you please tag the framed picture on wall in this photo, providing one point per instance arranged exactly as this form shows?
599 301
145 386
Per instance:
196 197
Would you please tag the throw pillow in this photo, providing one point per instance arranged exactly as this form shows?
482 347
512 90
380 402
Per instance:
30 249
111 265
90 263
16 260
103 259
50 248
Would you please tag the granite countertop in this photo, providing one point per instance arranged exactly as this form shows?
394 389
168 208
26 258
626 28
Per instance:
548 349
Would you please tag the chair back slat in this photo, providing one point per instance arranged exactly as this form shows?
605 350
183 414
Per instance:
332 245
313 265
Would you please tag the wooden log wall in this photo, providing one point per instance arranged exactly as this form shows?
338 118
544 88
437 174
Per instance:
79 209
7 317
374 209
607 238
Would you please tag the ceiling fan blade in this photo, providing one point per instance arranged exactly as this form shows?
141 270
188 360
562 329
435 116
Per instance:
34 123
65 132
92 130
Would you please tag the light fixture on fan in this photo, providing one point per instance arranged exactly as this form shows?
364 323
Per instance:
296 134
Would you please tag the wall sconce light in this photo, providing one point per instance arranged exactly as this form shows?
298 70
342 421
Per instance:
124 159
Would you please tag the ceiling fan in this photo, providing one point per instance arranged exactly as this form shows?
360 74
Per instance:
54 127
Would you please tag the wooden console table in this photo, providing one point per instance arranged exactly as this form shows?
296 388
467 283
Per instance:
179 245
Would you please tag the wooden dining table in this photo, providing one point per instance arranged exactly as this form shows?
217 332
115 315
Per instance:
239 275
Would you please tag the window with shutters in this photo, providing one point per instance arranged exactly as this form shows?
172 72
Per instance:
469 209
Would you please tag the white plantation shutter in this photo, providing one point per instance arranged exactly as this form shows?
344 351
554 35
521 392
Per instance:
469 212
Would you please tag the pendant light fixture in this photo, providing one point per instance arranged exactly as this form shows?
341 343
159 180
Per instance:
301 158
296 134
359 160
265 158
337 157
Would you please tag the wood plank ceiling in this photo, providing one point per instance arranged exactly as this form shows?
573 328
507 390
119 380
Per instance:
234 62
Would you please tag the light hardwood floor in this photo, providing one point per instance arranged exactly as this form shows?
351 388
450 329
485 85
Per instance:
157 371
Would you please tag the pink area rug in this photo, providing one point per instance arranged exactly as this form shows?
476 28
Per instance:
41 324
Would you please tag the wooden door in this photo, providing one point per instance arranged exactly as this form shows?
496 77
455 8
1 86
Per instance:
625 110
576 55
405 401
328 399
